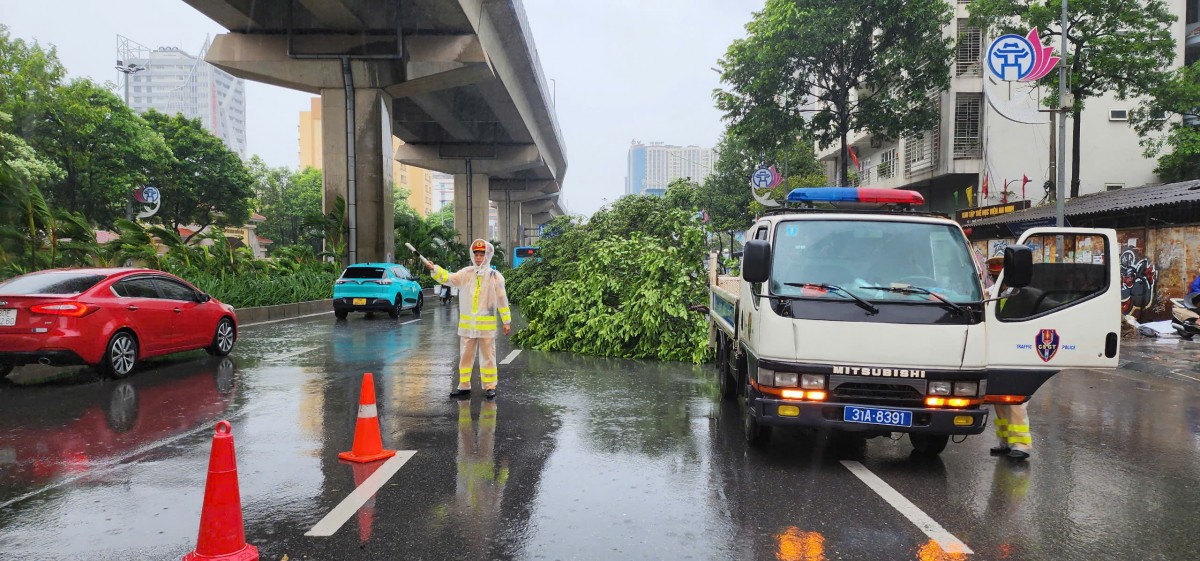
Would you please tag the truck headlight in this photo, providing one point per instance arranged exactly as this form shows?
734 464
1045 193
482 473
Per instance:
966 389
787 379
939 388
766 377
812 381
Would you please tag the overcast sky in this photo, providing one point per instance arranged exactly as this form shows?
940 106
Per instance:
622 70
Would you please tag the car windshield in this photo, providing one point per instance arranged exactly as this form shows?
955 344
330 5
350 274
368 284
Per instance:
857 255
50 283
370 273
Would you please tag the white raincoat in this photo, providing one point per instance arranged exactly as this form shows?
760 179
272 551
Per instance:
481 298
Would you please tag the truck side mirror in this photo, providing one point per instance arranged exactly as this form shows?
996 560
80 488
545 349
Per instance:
756 261
1018 266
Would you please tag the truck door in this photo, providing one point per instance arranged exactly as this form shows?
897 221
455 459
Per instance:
1068 317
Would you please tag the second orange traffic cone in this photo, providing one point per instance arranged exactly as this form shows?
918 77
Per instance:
368 444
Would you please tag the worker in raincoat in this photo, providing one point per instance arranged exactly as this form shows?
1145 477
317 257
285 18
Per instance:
481 296
1011 420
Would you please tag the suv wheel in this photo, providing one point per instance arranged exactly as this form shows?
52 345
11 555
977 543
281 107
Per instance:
420 304
396 307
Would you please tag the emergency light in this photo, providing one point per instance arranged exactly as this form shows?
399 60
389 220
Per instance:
855 195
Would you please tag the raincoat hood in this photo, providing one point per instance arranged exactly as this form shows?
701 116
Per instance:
488 252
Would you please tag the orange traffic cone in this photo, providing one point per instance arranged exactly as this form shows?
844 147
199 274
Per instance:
221 534
368 444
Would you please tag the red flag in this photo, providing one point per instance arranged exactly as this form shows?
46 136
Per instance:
854 157
1024 180
985 187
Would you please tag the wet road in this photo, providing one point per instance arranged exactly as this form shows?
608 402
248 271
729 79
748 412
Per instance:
578 458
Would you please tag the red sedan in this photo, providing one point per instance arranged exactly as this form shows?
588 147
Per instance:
107 318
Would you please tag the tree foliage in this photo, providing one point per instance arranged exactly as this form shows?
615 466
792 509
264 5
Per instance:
287 198
619 284
1175 109
850 65
1115 46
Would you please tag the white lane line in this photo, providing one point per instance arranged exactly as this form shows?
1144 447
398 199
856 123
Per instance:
292 354
946 540
411 321
118 461
1185 376
344 510
285 319
508 359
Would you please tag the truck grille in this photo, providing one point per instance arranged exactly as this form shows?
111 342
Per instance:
878 394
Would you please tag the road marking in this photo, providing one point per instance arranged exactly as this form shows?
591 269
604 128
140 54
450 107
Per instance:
363 493
946 540
292 354
285 319
411 321
118 461
1185 376
508 359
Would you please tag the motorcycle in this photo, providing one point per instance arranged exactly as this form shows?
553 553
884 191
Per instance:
1185 315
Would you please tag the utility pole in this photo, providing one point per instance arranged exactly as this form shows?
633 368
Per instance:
128 70
1062 125
1053 149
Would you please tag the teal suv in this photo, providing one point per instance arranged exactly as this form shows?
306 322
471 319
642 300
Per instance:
376 287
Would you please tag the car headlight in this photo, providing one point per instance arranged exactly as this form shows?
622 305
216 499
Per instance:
939 388
766 377
812 381
787 379
966 389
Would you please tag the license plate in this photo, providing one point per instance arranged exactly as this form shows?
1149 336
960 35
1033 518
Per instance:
873 416
360 301
8 317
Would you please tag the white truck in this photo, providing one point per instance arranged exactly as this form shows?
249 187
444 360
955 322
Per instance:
877 321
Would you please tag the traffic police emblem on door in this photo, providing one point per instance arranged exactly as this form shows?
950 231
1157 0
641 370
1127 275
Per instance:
1047 344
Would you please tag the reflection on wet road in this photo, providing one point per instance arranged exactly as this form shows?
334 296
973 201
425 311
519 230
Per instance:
578 458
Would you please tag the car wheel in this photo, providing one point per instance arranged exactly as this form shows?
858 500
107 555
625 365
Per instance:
396 307
420 304
223 338
340 314
121 356
928 444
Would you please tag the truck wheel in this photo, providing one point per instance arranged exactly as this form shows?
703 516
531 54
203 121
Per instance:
928 444
756 434
724 372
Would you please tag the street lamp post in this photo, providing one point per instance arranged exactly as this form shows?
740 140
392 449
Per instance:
128 70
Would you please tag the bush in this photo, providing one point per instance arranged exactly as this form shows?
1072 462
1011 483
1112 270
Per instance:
256 289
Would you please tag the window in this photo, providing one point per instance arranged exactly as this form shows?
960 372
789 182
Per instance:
402 273
1118 115
50 283
1113 186
371 273
1082 274
136 288
761 234
970 44
968 142
174 291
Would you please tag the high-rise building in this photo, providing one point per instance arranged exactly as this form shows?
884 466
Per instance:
443 190
652 167
310 136
171 81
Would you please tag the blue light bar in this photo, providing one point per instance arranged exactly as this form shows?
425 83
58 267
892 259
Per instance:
855 195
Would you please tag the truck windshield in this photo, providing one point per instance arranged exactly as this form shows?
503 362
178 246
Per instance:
859 254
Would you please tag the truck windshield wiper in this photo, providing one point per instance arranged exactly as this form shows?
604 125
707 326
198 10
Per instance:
859 301
918 290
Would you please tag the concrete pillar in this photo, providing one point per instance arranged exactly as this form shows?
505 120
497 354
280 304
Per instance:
476 204
373 205
509 217
529 236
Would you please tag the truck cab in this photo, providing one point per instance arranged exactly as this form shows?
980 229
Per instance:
878 321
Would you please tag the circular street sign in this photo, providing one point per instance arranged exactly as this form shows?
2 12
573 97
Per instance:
150 194
762 178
